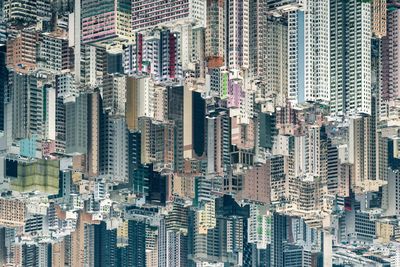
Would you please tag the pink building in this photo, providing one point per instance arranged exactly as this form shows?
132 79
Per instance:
257 184
103 20
391 57
150 13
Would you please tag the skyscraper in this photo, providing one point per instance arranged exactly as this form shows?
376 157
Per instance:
390 60
237 30
26 98
215 33
350 60
308 57
76 125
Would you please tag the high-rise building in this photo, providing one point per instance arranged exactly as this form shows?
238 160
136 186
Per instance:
279 235
148 14
135 253
139 101
104 22
198 122
113 152
296 256
76 125
308 56
177 101
215 33
49 113
134 153
238 30
350 60
273 62
256 184
218 142
65 85
60 125
3 84
54 53
362 150
379 18
22 52
391 59
176 249
157 53
93 138
105 246
258 18
114 94
158 143
27 10
12 213
26 98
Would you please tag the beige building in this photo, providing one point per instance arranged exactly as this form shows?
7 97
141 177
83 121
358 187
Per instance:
12 212
183 185
384 232
58 254
378 18
140 98
362 150
122 234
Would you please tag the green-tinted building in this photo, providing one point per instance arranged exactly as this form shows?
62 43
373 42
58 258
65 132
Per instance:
38 175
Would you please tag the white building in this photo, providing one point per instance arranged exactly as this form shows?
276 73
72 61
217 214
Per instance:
350 57
50 114
238 39
308 53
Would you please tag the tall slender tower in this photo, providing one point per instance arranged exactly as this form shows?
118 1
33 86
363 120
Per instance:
350 57
391 58
215 33
308 44
238 34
